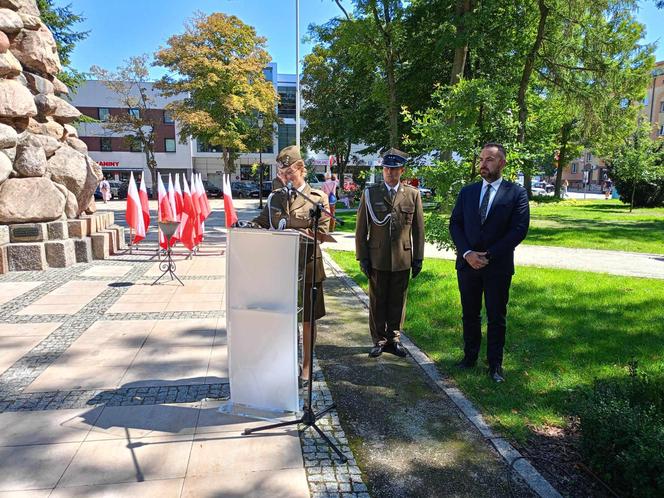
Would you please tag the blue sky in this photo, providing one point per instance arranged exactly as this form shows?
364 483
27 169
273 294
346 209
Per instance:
122 28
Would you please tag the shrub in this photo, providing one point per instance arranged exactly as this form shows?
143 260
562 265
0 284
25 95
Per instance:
622 433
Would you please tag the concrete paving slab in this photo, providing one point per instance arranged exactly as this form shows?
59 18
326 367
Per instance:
287 483
46 427
124 460
65 377
11 290
174 366
18 339
136 422
42 493
162 488
34 467
274 450
106 271
115 334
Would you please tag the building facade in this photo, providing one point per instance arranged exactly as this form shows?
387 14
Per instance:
117 155
654 103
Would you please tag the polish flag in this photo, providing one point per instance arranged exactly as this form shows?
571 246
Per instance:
229 209
134 214
174 211
164 212
196 202
189 218
179 201
145 207
204 198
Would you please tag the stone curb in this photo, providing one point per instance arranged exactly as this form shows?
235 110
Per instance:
512 457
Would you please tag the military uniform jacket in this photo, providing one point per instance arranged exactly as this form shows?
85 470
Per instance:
296 213
394 245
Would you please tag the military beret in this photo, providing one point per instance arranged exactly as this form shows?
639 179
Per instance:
394 158
288 156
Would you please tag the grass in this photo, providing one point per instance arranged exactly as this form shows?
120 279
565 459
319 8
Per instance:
565 329
604 225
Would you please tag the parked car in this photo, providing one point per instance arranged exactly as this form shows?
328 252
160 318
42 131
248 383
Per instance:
315 180
244 189
548 188
122 190
537 189
425 193
212 190
267 188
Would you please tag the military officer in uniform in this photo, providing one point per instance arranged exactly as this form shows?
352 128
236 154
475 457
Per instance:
284 210
389 244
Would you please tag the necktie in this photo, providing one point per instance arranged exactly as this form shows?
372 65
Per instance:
485 203
392 194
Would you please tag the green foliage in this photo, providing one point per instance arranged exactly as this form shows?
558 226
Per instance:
553 350
61 21
637 168
622 432
218 64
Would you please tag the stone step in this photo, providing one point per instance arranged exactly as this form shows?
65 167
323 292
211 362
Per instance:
26 256
60 253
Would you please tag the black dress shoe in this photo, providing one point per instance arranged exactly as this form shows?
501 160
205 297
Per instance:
465 364
376 351
496 374
397 349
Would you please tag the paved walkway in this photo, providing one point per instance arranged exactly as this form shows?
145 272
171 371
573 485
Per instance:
110 386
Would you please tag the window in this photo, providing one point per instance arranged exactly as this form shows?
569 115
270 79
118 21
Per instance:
287 99
106 144
661 131
573 167
202 146
589 157
661 106
267 72
104 113
286 135
134 144
168 117
169 144
134 112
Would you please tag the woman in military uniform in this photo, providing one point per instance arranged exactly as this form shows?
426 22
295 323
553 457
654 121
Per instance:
284 211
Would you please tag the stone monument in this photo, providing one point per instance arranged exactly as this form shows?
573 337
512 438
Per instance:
46 175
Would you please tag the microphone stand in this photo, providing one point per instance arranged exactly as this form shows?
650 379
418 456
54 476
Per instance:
309 417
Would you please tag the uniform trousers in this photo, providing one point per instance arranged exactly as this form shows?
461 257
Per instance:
387 304
473 284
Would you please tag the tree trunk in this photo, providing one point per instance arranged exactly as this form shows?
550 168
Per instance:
151 163
631 201
525 82
393 105
460 53
562 157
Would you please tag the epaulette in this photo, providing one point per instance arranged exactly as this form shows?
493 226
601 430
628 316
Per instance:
410 186
319 193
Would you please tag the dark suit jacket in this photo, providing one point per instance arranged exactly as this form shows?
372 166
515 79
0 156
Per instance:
505 227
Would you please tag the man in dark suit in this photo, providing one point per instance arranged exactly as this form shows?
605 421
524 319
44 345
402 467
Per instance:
489 220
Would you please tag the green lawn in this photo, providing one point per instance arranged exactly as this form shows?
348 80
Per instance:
565 329
587 224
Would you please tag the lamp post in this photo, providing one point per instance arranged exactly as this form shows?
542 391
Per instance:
260 161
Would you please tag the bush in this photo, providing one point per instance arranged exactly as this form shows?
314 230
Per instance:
646 194
622 433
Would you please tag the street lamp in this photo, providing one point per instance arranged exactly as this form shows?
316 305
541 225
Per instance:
260 161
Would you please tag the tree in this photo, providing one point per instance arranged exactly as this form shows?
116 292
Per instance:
380 24
138 124
337 103
61 21
216 69
638 164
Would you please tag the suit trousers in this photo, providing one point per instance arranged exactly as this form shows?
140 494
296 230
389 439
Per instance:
387 304
473 284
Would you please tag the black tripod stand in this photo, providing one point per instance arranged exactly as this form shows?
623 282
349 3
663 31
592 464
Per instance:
309 417
167 265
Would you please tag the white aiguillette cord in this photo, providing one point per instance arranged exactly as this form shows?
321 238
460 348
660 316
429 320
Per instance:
371 213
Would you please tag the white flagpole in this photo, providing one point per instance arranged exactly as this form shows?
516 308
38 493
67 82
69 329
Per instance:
297 73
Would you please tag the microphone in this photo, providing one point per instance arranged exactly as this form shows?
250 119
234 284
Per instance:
291 191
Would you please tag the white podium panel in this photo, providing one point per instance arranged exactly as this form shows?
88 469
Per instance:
261 318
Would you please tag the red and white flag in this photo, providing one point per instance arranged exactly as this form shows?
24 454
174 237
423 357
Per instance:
196 202
134 213
206 202
229 209
189 219
174 211
145 207
179 201
164 212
